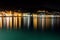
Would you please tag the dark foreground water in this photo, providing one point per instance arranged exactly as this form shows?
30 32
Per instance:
28 35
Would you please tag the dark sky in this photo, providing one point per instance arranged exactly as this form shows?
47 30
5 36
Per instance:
29 4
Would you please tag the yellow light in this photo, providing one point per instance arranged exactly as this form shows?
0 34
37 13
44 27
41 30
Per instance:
15 13
19 19
15 22
8 13
35 21
15 19
10 22
0 22
7 20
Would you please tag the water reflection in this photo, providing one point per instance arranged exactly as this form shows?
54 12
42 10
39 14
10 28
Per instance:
41 21
35 21
10 22
0 22
7 22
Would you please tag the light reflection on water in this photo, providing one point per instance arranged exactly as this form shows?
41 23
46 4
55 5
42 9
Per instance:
38 22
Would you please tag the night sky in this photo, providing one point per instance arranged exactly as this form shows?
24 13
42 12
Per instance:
29 5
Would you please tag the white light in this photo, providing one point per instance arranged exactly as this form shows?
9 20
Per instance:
28 21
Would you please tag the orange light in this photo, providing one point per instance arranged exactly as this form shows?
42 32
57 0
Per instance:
35 21
19 19
7 19
10 22
0 21
48 21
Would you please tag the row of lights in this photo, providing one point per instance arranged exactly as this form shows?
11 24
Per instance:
11 13
26 18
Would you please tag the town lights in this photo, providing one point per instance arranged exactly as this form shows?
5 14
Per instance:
39 20
26 20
